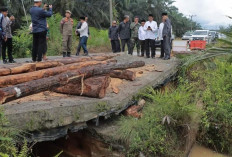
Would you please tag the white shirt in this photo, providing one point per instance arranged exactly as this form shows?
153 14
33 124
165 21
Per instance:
160 32
151 34
142 33
84 30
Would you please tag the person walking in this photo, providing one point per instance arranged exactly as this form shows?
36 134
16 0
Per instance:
78 34
39 24
160 36
134 36
167 34
66 28
125 33
151 34
142 37
114 37
7 44
84 35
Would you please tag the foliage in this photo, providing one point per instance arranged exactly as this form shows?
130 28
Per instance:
216 89
98 11
158 132
8 138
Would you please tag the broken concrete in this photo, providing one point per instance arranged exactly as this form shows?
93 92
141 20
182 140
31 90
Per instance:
48 116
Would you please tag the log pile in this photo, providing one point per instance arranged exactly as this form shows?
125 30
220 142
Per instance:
87 76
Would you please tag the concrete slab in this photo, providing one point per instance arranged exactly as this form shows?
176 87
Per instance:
48 116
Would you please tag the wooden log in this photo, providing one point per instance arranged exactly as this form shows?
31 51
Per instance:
21 90
84 59
11 70
94 87
20 78
123 74
47 64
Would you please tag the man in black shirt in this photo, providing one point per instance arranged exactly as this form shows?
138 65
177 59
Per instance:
125 33
114 37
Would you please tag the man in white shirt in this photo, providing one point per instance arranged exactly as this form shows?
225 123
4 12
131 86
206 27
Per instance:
84 34
151 29
160 36
142 37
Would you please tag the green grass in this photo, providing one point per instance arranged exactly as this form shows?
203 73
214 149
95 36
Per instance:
207 83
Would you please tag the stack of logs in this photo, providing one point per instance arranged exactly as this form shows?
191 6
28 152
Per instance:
86 76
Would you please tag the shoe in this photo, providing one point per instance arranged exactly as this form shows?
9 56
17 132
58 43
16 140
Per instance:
68 54
153 57
161 57
12 61
148 57
64 54
85 54
77 54
166 58
4 61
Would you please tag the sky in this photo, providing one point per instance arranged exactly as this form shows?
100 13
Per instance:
209 13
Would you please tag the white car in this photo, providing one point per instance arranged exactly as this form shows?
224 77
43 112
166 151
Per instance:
202 35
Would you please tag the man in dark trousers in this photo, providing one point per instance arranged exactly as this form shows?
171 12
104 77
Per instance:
151 29
39 24
134 35
114 37
1 33
125 33
7 43
167 34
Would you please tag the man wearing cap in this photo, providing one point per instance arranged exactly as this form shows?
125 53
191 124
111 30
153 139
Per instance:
114 37
84 34
167 34
66 28
39 24
7 43
134 35
151 29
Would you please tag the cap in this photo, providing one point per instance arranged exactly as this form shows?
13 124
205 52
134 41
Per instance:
4 9
37 0
68 11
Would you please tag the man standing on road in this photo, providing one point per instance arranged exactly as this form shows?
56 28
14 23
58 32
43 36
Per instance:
167 34
151 35
160 36
39 24
2 37
84 34
142 37
66 28
134 36
7 43
78 34
114 37
125 33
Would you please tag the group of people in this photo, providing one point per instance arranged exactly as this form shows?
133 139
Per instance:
40 29
143 35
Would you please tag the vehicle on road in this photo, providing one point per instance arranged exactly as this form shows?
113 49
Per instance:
213 35
187 36
202 35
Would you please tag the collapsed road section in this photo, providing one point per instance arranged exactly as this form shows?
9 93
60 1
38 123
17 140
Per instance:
55 98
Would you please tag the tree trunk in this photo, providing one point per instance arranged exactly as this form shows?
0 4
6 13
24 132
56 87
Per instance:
94 87
36 86
29 67
123 74
20 78
11 70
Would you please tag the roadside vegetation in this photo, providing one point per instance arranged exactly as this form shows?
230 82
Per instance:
201 100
